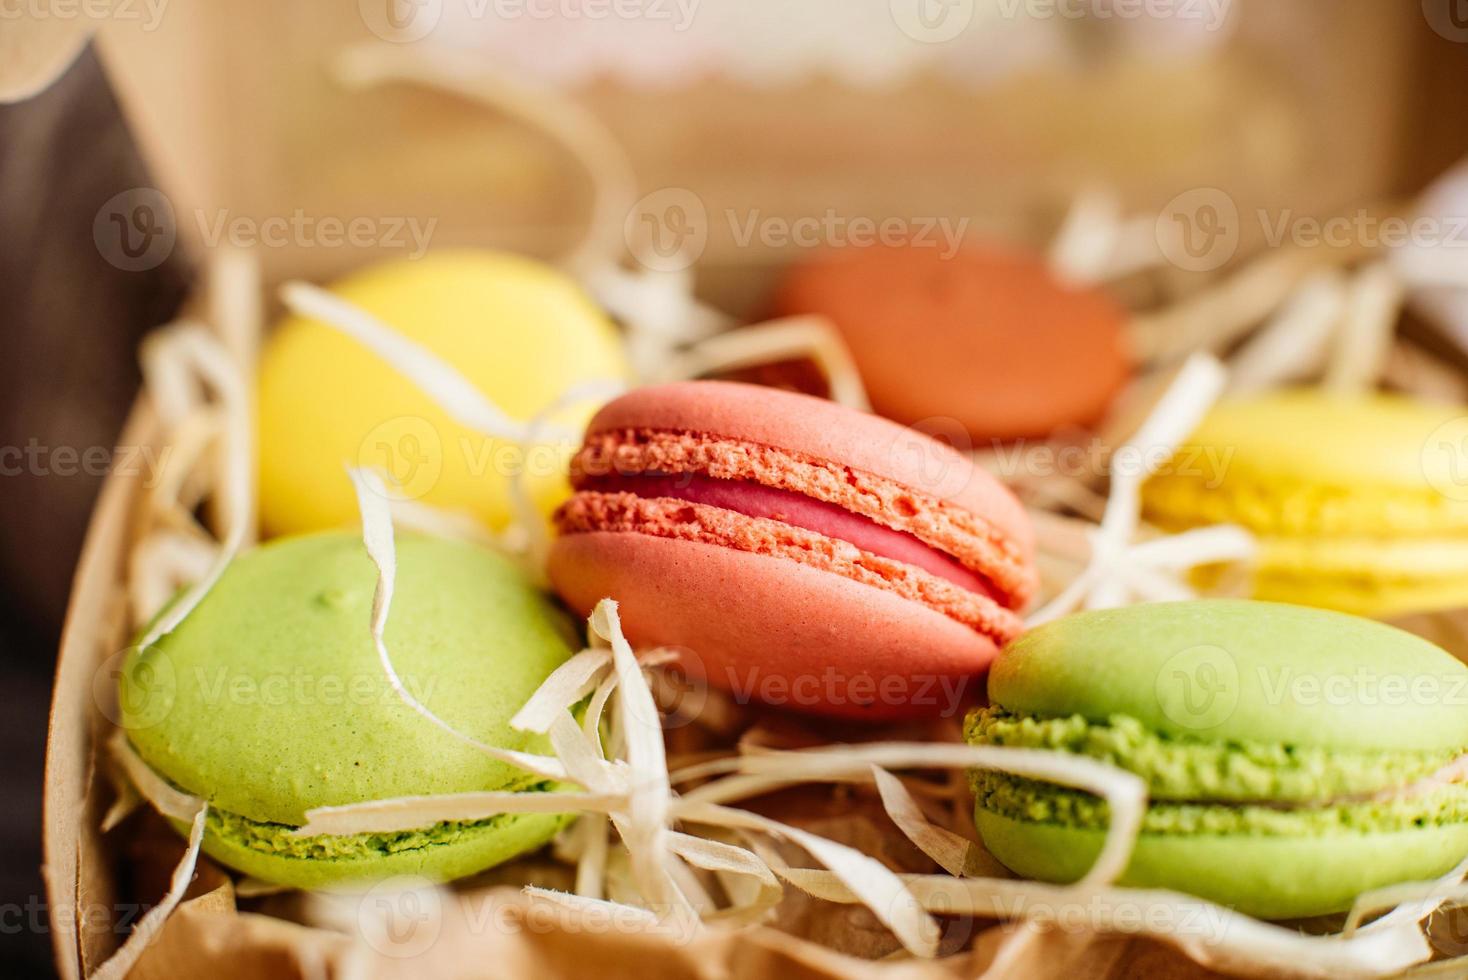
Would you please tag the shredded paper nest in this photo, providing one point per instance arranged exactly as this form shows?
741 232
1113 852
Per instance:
700 825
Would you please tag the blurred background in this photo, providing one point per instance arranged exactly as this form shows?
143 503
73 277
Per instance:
173 125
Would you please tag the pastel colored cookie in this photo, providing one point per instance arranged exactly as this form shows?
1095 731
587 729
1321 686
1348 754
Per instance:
801 553
1293 757
986 337
1360 502
268 700
520 331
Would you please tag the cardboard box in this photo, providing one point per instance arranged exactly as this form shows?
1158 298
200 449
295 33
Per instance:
239 118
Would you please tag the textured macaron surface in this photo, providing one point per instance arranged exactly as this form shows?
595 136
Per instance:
798 552
1198 767
1256 727
1303 461
879 471
987 337
1233 670
1360 502
819 430
520 331
268 699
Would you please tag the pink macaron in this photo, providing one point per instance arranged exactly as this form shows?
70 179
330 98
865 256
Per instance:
796 552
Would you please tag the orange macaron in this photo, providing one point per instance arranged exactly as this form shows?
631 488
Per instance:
986 337
797 552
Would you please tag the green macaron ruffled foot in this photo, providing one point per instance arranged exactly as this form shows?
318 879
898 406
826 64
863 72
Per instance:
269 700
1293 757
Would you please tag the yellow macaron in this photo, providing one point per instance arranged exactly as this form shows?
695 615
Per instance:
520 331
1359 501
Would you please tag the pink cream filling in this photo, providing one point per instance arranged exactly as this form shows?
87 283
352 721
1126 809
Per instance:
757 500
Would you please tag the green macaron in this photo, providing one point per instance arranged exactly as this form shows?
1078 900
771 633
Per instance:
269 700
1293 757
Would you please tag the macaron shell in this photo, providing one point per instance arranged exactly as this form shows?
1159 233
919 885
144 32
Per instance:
826 431
670 518
1357 499
1369 442
469 852
520 331
1378 577
1363 594
1267 877
775 631
687 458
986 337
1234 669
269 699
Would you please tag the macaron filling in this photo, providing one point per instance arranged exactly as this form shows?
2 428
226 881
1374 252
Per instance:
279 840
1225 787
1280 506
1030 801
996 549
757 500
1196 768
591 512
